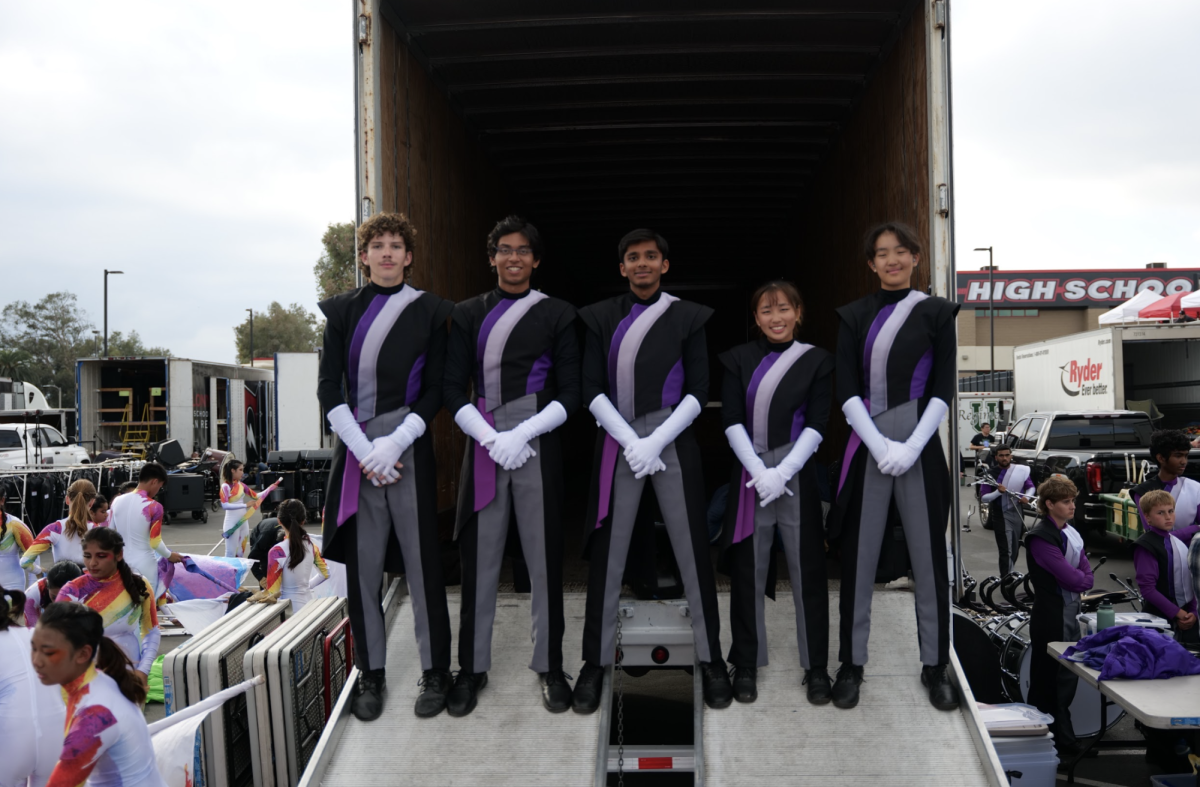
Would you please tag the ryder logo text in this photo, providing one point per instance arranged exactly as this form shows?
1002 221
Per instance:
1082 378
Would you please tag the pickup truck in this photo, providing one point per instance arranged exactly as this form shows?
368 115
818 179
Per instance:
1091 448
24 445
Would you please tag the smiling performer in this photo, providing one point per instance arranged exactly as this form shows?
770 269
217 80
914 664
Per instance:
895 375
517 348
645 378
386 344
775 404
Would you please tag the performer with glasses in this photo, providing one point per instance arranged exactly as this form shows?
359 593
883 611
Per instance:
517 348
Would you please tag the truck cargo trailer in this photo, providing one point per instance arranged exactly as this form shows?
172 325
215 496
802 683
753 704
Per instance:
1140 367
129 403
762 143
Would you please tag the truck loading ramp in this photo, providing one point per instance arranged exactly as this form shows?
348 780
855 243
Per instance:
502 742
894 736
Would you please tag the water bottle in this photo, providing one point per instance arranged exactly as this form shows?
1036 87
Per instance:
1105 617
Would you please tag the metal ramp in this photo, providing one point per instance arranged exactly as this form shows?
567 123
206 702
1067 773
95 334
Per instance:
503 742
893 737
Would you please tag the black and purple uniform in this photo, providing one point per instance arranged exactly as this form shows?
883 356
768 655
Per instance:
1059 572
519 353
776 391
895 351
646 356
384 354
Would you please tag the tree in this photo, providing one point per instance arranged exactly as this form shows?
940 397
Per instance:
13 363
335 269
131 345
52 333
293 329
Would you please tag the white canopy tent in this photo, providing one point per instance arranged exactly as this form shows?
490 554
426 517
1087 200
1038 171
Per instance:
1190 301
1128 311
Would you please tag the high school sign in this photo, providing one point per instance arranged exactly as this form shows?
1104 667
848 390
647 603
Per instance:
1070 289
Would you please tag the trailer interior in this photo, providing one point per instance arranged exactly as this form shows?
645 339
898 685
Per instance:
761 141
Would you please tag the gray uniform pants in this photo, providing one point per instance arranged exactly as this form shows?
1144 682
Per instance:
688 532
481 544
394 507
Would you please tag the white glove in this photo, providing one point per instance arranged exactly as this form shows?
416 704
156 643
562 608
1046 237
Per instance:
643 455
344 425
474 425
743 449
860 421
771 484
806 445
902 456
385 451
611 421
511 449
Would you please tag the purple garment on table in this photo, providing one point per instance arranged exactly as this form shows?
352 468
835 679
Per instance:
1146 565
1134 653
1073 578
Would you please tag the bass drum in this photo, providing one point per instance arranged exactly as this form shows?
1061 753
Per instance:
1015 656
979 656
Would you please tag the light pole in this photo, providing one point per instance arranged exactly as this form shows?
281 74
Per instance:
96 334
251 336
991 311
107 272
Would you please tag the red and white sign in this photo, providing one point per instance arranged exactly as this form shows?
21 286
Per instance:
1067 289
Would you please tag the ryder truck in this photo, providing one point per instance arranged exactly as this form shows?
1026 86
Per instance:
1149 368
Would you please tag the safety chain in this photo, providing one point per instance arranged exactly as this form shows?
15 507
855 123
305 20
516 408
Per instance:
619 671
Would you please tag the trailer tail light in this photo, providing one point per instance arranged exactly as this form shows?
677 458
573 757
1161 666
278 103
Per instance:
660 655
1093 476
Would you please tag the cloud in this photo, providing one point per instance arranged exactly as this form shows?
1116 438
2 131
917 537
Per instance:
1074 129
201 148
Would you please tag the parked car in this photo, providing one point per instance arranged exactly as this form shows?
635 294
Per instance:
32 444
1094 449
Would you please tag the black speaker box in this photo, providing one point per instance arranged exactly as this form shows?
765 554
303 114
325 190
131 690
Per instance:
283 460
184 492
168 452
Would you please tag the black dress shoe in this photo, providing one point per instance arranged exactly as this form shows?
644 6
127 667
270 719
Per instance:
745 684
465 695
556 692
367 703
435 685
589 687
845 688
820 688
942 694
718 692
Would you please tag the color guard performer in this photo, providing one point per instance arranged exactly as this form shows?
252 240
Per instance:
895 375
386 344
775 404
645 378
517 348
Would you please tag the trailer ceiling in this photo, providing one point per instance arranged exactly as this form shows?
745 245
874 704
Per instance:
704 123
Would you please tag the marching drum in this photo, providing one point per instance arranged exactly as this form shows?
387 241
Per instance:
1013 638
978 655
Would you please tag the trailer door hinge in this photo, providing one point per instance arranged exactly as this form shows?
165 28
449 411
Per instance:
364 29
366 208
939 14
943 199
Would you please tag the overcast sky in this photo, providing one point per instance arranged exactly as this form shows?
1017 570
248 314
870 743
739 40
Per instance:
203 147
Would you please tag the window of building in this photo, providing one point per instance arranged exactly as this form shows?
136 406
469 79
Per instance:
1007 313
